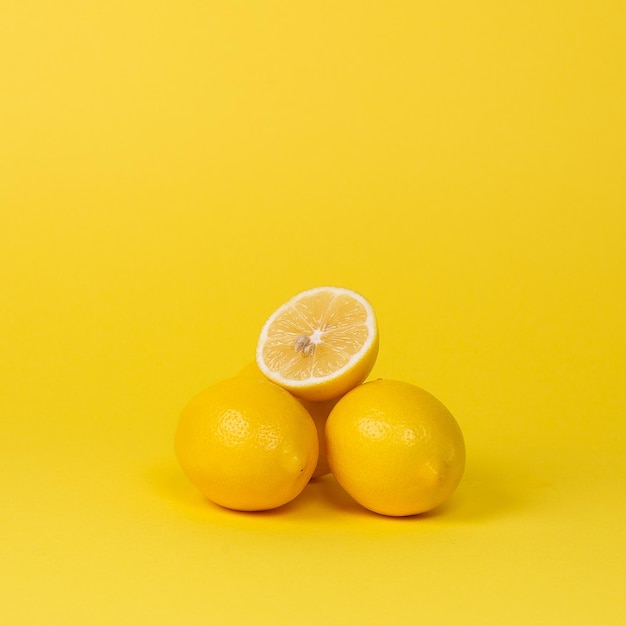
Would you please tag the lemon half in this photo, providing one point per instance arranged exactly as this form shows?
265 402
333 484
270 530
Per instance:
319 344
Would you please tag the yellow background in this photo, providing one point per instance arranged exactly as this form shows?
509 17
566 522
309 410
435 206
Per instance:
170 172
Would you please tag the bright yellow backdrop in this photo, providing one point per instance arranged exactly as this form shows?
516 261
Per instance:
170 172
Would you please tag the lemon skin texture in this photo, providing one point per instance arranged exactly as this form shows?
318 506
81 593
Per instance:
319 412
395 448
247 444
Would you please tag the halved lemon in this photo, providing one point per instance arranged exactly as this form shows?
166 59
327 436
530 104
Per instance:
319 344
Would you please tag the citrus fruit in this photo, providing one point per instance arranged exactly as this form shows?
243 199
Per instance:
319 411
319 344
394 447
247 444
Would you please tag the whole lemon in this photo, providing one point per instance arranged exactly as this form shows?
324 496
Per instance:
394 447
247 444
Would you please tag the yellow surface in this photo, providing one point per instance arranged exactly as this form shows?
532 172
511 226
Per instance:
171 172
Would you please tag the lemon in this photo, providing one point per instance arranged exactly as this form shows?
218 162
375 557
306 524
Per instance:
319 344
395 448
247 444
319 411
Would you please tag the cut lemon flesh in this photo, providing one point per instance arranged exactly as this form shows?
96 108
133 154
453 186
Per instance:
320 343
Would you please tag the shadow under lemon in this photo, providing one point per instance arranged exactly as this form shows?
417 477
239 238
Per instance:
486 492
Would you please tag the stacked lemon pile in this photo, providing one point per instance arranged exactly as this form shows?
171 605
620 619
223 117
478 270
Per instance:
301 410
